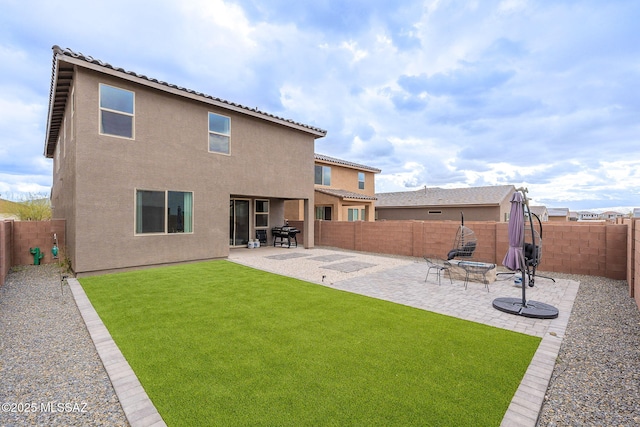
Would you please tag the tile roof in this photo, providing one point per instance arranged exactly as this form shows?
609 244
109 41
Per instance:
62 78
491 195
344 194
539 210
558 211
323 158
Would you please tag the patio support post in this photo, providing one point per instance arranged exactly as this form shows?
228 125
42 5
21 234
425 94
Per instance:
309 216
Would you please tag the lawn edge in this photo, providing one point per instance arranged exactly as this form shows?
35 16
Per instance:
526 404
135 402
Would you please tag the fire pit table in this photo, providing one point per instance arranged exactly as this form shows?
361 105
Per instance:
476 270
286 234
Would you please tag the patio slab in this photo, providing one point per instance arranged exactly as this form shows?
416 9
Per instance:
291 255
331 257
349 266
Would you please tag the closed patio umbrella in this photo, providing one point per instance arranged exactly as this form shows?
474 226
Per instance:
514 260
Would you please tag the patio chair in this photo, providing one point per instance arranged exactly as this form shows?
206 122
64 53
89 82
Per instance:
439 268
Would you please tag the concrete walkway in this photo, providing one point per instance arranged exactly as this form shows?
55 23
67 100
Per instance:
396 279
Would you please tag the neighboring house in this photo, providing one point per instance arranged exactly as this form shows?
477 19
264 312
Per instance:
611 216
636 212
148 173
344 191
491 203
588 216
541 211
558 214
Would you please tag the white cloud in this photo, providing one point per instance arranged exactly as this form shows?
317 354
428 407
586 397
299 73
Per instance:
438 93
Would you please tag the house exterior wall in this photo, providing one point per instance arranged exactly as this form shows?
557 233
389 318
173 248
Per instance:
346 178
436 213
63 190
343 178
95 190
321 199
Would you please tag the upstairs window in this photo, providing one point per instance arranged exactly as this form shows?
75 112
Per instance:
361 180
323 175
116 111
219 133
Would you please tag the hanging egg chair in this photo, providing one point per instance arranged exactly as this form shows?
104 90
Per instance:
464 244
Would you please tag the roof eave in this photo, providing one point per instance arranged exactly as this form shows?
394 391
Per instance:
461 205
190 94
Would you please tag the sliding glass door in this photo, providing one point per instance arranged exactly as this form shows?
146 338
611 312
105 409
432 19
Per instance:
239 214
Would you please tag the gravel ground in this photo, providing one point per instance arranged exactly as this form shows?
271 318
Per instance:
50 372
596 380
47 358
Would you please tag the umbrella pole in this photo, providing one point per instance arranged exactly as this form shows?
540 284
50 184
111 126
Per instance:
524 291
534 309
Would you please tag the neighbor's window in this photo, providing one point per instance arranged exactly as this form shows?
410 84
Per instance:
219 133
164 212
116 111
323 175
353 214
361 180
323 212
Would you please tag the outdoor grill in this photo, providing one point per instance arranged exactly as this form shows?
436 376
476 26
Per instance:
282 235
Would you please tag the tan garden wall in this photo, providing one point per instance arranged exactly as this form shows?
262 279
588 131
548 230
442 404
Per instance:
607 250
591 249
18 237
6 237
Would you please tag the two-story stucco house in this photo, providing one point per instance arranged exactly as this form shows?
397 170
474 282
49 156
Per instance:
344 191
149 173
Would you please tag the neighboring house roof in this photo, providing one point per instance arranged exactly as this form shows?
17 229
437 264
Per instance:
492 195
558 211
344 194
61 83
323 158
540 211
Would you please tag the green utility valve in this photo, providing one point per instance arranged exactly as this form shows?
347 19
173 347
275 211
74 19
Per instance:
37 255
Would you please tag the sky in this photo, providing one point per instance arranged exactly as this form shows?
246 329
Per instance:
537 94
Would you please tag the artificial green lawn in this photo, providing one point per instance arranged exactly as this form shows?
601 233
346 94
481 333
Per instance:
216 343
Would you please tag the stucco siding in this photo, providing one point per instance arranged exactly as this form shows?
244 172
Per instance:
169 152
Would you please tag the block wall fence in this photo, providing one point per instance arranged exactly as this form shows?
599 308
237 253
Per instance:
599 249
18 237
607 250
